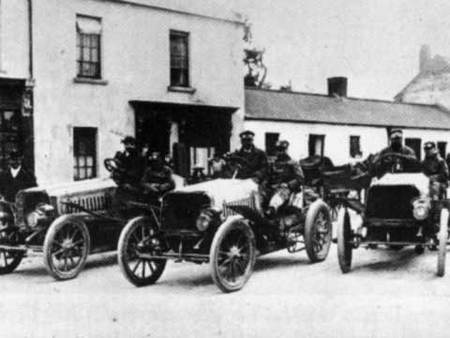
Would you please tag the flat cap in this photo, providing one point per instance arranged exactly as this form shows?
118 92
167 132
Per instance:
248 134
395 132
282 144
129 139
429 145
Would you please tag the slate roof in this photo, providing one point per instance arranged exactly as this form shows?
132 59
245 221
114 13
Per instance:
262 104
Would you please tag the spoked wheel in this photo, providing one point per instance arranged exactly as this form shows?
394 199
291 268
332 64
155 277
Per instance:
344 238
140 237
9 260
66 247
232 255
442 237
318 231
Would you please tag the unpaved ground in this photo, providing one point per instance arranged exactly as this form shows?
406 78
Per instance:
387 294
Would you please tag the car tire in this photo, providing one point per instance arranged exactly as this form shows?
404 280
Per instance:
232 255
442 237
138 235
9 260
344 237
318 231
66 247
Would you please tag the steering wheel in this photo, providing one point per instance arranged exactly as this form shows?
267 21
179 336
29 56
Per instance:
111 164
240 161
392 159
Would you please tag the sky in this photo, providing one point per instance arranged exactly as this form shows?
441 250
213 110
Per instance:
374 43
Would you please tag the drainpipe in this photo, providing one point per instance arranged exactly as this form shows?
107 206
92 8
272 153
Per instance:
30 38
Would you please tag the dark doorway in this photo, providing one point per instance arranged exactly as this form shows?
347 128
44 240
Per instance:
316 145
442 148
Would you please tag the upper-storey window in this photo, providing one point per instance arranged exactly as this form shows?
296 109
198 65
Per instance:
89 32
179 59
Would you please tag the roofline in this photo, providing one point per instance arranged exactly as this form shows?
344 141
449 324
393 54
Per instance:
273 119
171 10
345 98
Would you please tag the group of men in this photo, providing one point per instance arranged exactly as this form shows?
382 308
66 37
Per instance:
140 176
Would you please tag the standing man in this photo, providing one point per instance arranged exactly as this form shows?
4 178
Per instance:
396 156
254 164
285 178
435 167
15 178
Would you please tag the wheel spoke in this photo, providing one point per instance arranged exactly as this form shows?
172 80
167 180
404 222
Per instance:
143 269
137 265
58 252
4 258
150 265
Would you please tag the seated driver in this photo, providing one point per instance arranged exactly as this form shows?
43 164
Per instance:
285 178
157 179
435 167
396 147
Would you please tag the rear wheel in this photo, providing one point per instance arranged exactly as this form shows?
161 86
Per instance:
318 231
442 237
232 255
66 247
344 237
140 237
9 260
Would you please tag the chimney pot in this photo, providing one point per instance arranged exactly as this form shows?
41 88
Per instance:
337 86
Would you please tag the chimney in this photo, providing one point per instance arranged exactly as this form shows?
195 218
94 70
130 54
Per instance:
337 86
424 57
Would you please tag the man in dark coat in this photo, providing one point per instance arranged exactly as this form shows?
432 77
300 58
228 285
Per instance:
405 155
285 178
254 160
435 167
157 179
15 178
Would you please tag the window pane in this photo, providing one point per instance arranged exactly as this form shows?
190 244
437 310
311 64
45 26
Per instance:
179 61
89 161
84 153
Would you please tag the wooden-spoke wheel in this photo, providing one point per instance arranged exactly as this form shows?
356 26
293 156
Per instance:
140 237
9 260
344 238
232 255
318 231
442 237
66 247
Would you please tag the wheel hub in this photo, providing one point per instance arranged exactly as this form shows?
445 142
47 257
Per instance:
234 252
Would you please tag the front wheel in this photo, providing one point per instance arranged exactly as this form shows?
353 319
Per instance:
318 231
344 237
232 255
66 247
140 237
9 260
442 237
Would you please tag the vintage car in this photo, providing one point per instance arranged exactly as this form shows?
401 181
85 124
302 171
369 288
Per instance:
221 222
65 222
399 211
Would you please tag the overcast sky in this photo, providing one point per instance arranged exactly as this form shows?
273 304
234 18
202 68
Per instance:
375 43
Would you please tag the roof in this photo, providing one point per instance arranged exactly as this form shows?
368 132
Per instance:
263 104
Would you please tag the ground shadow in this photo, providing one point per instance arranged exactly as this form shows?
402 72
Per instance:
390 260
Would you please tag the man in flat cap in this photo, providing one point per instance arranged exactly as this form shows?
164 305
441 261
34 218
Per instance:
254 160
16 177
157 179
285 178
404 154
435 167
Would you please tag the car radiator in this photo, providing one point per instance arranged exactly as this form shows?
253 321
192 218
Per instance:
248 202
95 201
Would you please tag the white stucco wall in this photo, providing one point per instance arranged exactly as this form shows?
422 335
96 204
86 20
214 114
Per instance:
14 48
337 139
135 63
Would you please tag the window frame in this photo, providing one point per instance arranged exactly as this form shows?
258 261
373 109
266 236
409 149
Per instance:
311 146
355 153
408 142
76 155
187 36
80 53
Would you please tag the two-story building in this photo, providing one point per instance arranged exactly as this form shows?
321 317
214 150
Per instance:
76 76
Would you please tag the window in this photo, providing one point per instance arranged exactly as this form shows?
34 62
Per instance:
179 59
10 134
442 148
84 153
316 145
355 146
416 145
88 47
271 141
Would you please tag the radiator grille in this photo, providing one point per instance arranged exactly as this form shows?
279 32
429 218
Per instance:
93 202
248 202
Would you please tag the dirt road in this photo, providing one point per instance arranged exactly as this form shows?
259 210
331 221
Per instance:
387 294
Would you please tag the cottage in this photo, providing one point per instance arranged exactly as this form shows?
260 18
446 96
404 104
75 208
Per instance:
343 128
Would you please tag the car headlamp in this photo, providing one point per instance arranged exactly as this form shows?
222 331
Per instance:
421 209
204 220
41 212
